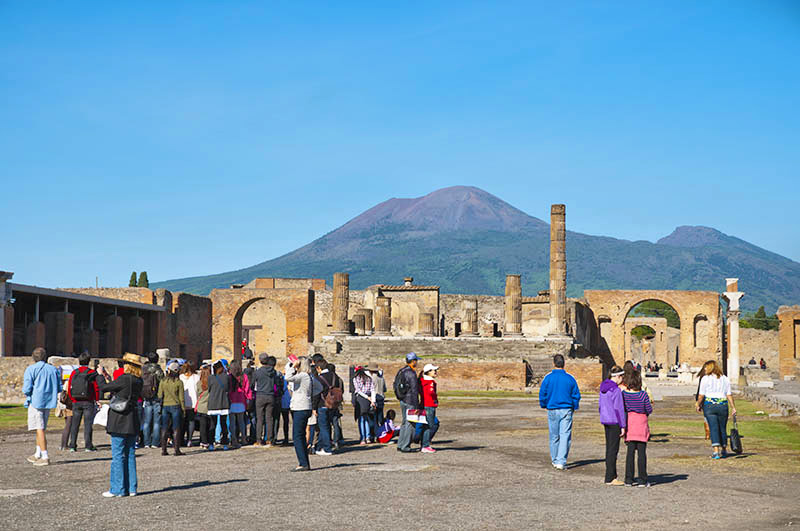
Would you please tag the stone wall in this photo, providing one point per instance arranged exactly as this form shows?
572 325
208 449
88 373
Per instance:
12 371
759 344
407 304
192 326
789 341
490 313
143 295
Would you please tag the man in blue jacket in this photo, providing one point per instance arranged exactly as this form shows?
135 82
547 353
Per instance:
41 385
559 394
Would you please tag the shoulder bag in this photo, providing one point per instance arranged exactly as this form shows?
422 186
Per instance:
119 404
736 439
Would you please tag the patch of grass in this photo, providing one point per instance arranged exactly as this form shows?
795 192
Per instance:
487 394
14 417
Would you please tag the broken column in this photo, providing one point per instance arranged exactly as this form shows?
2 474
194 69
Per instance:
558 270
733 295
135 335
426 325
113 346
341 300
469 324
513 307
358 321
368 326
59 333
383 316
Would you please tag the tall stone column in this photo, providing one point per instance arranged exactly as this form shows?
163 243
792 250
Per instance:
113 346
341 300
383 316
368 325
513 307
733 296
469 325
358 321
59 333
6 332
558 270
426 324
135 335
35 336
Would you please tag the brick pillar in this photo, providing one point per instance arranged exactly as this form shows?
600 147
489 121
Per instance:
558 270
6 330
35 336
341 300
90 339
135 335
426 324
383 316
513 307
469 323
113 346
59 333
368 326
359 320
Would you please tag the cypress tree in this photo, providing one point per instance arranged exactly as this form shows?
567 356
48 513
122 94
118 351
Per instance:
132 281
143 282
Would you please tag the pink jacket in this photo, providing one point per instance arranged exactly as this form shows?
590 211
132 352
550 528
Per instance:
241 394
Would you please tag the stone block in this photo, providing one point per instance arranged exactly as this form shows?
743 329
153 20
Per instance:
34 336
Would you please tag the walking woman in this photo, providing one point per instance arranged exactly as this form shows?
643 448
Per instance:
218 402
170 392
614 421
239 394
365 398
713 399
299 379
123 427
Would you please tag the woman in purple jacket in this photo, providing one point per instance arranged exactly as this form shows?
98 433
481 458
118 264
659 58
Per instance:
613 418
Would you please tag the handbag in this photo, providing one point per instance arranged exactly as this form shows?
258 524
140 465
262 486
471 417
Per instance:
736 439
119 404
101 417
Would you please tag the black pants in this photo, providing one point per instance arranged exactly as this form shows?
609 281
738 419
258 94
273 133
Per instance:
189 421
205 428
277 413
641 448
66 432
82 409
612 449
264 405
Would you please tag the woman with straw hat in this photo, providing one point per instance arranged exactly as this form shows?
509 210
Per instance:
123 426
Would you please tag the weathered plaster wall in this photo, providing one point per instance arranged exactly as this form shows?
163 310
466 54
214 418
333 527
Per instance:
789 341
143 295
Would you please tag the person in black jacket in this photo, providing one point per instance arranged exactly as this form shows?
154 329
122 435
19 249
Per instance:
406 389
268 387
123 427
219 402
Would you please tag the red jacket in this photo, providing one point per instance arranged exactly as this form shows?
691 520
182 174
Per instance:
94 391
119 371
429 397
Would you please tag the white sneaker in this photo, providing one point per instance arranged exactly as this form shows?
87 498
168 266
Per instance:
132 494
107 494
559 466
323 452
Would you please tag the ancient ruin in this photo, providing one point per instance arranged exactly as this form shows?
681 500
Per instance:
302 316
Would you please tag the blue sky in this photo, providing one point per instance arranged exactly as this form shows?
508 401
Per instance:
190 138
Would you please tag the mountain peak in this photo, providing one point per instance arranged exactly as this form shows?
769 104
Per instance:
446 209
694 236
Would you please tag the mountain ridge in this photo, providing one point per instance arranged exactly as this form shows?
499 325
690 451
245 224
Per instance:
466 239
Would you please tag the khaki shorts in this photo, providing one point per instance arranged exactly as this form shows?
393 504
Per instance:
37 418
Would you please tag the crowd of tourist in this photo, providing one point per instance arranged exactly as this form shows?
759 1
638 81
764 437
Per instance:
230 405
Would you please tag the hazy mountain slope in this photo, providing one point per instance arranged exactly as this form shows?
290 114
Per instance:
466 240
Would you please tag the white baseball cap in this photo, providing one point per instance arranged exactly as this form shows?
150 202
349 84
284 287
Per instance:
429 367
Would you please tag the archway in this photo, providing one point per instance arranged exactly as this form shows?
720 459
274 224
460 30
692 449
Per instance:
652 333
263 324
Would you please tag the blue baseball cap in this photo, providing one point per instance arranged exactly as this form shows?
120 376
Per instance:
411 356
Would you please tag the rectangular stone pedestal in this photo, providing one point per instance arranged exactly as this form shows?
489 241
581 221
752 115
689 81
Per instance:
59 333
113 346
34 337
135 335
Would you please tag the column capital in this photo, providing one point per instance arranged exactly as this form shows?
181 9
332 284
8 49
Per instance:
734 314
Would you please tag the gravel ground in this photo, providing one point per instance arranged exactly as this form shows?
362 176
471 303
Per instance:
492 471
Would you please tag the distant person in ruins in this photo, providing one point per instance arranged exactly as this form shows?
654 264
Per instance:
560 396
41 385
407 390
763 364
84 394
752 361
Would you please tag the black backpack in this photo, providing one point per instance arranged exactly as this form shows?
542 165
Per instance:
81 385
400 385
149 384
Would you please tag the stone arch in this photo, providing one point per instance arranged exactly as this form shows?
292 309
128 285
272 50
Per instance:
271 336
237 326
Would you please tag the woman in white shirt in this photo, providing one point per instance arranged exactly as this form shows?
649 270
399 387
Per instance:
713 398
189 378
299 380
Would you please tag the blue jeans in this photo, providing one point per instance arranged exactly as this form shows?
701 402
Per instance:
366 426
123 465
431 428
151 419
560 424
174 413
406 429
717 417
299 423
324 426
